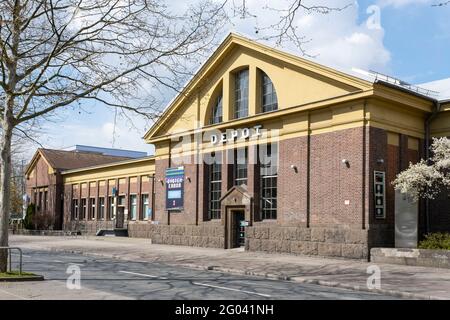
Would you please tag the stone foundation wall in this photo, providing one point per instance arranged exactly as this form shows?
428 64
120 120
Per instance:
88 227
320 241
210 236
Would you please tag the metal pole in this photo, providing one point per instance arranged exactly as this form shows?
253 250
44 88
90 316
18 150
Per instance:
20 265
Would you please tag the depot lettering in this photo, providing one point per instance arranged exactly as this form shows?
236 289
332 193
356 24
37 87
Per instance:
232 135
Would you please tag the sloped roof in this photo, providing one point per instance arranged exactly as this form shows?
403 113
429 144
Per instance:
232 40
442 86
66 160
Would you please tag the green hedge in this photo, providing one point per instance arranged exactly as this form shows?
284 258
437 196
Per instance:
436 240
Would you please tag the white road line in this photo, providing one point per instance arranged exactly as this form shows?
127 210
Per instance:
13 295
231 289
23 255
143 275
58 261
76 264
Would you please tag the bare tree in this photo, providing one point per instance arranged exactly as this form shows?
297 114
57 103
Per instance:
441 4
284 26
59 53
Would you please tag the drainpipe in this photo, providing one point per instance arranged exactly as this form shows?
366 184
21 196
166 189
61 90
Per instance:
428 120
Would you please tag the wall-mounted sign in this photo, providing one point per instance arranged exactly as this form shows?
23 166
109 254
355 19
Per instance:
174 188
379 181
232 135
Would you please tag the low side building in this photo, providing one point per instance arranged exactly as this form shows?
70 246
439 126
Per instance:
44 181
112 196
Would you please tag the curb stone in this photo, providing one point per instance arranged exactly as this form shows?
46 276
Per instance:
394 293
24 279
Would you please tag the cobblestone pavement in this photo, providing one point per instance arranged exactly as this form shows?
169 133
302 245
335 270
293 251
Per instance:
396 280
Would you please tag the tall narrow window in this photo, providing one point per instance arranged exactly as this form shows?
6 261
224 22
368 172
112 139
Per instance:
112 213
101 208
268 174
75 209
241 94
145 207
269 100
92 209
83 209
45 204
216 114
215 186
133 206
240 166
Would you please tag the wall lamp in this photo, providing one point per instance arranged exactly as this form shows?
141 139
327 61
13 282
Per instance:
188 179
380 161
346 162
294 168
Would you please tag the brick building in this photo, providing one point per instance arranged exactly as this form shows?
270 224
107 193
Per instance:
44 185
270 151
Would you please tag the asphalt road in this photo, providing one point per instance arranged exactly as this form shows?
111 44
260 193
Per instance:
116 279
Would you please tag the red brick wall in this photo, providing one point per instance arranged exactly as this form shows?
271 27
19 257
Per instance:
292 185
332 182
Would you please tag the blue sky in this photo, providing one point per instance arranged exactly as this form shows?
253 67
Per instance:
412 43
418 37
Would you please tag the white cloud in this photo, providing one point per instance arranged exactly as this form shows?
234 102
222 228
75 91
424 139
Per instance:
101 135
338 39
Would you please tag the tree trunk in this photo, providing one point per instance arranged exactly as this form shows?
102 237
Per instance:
5 179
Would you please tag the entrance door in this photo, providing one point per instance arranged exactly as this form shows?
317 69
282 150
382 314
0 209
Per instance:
239 225
120 217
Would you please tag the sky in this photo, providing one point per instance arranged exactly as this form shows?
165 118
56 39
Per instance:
408 39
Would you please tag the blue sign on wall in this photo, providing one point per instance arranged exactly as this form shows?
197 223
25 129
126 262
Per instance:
174 188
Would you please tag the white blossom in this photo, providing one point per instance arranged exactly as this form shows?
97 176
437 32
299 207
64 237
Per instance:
423 180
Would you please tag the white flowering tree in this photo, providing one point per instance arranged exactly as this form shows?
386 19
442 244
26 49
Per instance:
423 180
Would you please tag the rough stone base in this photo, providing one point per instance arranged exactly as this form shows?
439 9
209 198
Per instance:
88 227
320 241
210 236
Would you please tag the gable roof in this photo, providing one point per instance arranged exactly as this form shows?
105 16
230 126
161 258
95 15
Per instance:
233 40
66 160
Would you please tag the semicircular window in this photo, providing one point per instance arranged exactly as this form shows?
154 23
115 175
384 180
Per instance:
269 100
216 114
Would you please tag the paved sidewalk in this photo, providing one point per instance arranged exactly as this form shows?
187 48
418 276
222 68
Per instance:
396 280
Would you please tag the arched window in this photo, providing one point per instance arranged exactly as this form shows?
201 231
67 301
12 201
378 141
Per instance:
269 100
216 114
241 94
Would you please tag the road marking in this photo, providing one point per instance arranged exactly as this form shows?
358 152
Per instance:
143 275
76 264
58 261
13 295
23 255
231 289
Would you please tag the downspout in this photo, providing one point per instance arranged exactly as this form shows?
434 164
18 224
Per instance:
365 170
428 120
153 197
